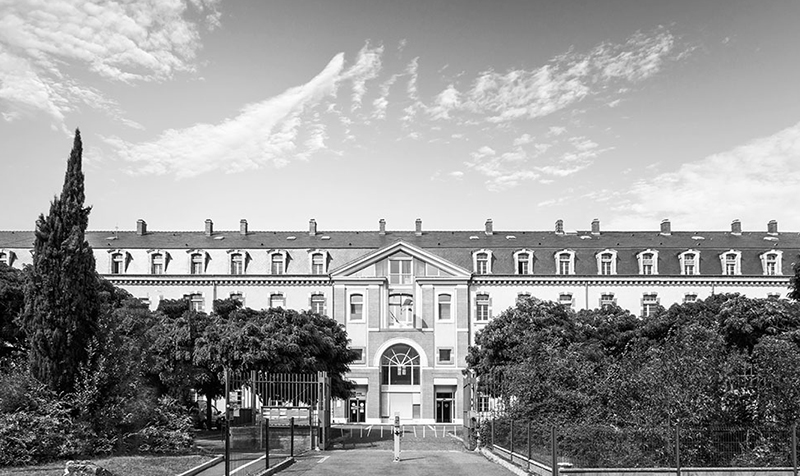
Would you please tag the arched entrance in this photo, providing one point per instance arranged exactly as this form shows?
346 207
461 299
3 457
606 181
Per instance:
400 382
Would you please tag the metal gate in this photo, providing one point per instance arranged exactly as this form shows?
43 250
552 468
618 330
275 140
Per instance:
272 416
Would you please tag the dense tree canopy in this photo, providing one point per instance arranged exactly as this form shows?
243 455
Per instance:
12 302
724 360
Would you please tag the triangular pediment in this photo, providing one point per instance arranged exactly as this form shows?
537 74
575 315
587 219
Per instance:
399 249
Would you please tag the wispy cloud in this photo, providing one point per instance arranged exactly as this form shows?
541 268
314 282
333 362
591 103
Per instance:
565 80
367 66
118 41
754 182
265 133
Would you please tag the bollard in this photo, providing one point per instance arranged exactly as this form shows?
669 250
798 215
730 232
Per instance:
291 437
397 434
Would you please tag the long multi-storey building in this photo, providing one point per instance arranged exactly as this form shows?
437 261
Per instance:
412 301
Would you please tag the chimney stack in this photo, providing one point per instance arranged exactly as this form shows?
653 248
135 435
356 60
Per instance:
772 227
418 231
559 227
243 227
595 226
141 227
209 227
381 226
312 227
489 227
666 227
736 227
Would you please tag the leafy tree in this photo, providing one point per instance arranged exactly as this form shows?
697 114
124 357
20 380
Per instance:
794 283
12 302
61 299
278 340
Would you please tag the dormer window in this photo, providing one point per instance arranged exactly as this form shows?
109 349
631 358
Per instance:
771 263
565 262
277 262
117 262
237 263
158 262
197 263
648 262
4 257
318 260
482 262
731 262
690 262
523 260
607 262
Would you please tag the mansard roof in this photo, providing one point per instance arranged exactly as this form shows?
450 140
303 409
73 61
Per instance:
430 240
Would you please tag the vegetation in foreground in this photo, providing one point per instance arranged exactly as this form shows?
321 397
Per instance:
120 466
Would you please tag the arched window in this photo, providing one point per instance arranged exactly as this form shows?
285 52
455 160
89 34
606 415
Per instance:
277 300
237 263
356 307
196 263
648 262
318 262
401 310
117 262
771 262
157 263
607 262
565 262
445 307
278 263
523 261
731 262
400 366
690 262
482 261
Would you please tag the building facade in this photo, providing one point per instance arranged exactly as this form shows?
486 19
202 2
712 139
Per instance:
412 301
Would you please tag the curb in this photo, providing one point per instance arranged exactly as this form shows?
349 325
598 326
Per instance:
498 460
278 467
198 469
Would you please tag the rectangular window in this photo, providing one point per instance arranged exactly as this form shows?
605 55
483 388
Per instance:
157 263
237 263
117 263
317 263
400 271
483 403
358 352
647 263
444 356
564 263
277 263
318 303
730 264
523 263
606 299
649 304
482 263
690 297
565 299
445 307
277 300
356 307
689 264
145 301
196 302
401 310
238 297
196 266
482 307
606 264
523 296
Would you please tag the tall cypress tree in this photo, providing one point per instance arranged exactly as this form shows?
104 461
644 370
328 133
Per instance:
61 299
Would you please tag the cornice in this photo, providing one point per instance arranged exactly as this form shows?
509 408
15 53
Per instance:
631 280
217 280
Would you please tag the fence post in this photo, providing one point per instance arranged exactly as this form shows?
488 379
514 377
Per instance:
512 441
492 435
266 438
291 437
794 448
227 423
554 449
678 449
529 445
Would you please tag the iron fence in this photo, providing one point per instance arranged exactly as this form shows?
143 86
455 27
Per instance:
605 446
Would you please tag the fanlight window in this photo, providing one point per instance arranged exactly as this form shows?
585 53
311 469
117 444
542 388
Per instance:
400 366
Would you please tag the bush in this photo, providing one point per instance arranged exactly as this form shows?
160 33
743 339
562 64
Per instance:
168 431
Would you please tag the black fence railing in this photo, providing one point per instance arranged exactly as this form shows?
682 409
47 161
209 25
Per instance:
607 446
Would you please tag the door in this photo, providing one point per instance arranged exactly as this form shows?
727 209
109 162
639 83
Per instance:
444 407
358 410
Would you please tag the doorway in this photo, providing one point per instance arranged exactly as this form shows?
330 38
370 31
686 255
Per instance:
358 410
444 407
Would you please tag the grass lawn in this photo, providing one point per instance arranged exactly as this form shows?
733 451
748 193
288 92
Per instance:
120 466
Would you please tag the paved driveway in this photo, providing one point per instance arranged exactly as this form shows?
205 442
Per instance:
364 462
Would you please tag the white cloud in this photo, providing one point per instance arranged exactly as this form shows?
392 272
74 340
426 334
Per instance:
445 102
567 79
366 67
119 41
264 133
754 182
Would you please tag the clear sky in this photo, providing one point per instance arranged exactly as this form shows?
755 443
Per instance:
348 111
